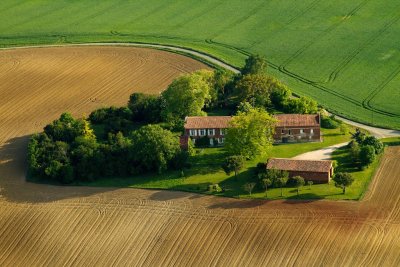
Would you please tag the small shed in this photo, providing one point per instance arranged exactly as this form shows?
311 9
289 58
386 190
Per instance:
318 171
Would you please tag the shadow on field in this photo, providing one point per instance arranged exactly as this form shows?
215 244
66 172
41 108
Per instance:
238 204
165 195
303 198
15 188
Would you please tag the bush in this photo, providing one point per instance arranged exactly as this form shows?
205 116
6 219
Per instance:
302 105
214 188
329 123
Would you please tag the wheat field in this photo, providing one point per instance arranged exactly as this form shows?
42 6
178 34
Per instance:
45 225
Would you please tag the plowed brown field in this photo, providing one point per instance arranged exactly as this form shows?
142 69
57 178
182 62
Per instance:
42 225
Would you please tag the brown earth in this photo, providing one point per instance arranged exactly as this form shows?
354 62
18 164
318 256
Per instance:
42 225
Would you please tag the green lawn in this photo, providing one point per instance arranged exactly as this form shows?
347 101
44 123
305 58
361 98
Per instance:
343 53
206 169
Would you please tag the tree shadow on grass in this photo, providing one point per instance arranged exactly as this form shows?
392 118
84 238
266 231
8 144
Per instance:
15 188
207 163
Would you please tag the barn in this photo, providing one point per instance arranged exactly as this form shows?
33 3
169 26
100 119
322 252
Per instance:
318 171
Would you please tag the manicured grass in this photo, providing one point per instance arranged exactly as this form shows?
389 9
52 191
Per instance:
319 48
206 169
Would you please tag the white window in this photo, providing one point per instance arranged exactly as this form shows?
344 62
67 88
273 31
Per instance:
211 132
222 140
290 132
202 132
312 131
222 131
211 142
192 132
301 131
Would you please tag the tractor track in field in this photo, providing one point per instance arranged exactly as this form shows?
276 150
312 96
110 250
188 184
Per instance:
335 73
324 33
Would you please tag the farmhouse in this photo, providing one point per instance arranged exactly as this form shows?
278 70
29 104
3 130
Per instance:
213 128
289 128
318 171
297 128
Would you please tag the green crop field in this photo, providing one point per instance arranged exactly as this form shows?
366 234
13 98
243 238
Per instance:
344 53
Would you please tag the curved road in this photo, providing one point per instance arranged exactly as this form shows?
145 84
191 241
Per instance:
378 132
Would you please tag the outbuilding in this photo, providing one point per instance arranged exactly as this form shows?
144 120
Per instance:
318 171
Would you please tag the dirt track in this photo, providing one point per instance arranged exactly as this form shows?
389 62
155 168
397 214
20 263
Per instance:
50 225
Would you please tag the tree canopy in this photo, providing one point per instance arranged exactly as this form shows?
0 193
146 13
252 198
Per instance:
155 147
255 89
343 180
233 164
187 95
255 64
250 133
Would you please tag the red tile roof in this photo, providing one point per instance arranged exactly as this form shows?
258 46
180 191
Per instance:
299 165
297 120
212 122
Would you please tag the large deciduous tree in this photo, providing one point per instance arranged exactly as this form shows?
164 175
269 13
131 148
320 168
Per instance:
250 133
154 147
187 95
255 89
367 155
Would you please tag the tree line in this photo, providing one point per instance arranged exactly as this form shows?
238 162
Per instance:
68 151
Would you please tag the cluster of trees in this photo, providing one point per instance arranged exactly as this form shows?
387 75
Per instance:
254 86
277 179
68 151
364 149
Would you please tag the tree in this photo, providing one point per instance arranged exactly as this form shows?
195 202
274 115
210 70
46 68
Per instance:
255 89
281 182
280 94
146 108
375 143
250 133
154 148
298 182
255 64
266 182
249 187
354 151
66 128
222 86
343 180
367 155
83 157
233 164
186 96
302 105
359 136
